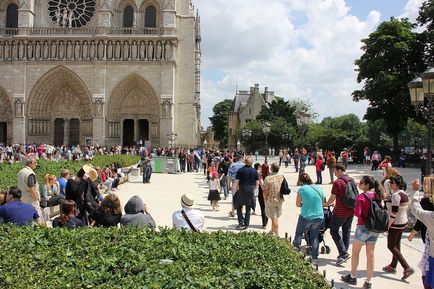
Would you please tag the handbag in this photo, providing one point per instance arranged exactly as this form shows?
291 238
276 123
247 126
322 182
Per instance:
284 188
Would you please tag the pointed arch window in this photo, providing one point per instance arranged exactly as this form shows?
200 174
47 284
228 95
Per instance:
150 17
12 16
128 17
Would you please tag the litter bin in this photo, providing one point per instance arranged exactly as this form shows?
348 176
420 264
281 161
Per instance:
171 165
158 165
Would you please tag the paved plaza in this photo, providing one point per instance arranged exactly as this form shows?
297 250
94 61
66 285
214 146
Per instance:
163 194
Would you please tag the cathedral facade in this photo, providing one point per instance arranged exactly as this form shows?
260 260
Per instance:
104 72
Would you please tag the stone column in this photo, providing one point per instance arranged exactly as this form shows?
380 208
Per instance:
18 121
66 132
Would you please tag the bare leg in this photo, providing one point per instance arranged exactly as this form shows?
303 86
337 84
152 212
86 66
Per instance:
370 247
357 246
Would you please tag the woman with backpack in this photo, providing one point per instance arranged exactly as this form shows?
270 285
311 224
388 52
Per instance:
398 221
363 236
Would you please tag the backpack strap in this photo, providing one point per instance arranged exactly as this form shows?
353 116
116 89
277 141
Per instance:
188 221
369 199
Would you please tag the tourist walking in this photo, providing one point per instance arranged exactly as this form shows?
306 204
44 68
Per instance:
397 209
331 165
232 173
319 168
310 198
342 216
263 173
296 158
246 181
362 236
214 191
222 170
273 199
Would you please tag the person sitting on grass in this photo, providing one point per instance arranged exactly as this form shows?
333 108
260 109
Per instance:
67 219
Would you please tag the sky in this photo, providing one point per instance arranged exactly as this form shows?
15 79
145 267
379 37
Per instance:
297 48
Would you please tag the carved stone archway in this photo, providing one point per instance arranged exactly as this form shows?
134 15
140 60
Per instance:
6 115
59 94
133 99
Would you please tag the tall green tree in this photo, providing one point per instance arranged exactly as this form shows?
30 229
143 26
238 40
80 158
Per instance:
392 56
426 19
219 121
278 108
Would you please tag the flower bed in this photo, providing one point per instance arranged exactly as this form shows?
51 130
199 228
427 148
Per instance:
8 172
132 258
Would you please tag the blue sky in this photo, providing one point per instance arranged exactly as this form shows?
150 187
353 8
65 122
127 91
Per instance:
297 48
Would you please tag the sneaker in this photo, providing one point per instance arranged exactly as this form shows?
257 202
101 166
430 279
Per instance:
407 273
315 262
367 285
240 227
348 279
343 259
389 269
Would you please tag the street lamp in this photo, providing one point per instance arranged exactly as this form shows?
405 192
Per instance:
303 118
266 128
247 133
171 136
422 97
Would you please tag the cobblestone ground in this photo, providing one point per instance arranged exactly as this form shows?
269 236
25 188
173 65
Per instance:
163 194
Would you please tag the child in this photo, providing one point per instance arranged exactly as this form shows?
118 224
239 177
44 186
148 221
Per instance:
214 190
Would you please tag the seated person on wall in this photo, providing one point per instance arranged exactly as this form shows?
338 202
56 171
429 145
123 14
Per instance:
67 217
17 212
2 202
188 218
50 192
136 213
109 212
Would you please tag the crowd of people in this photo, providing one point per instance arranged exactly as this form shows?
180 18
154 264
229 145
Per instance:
87 199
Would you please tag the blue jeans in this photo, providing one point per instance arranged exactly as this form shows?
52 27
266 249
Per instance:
224 185
147 172
319 177
303 225
246 220
335 224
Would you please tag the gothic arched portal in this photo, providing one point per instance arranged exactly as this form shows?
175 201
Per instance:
133 112
59 101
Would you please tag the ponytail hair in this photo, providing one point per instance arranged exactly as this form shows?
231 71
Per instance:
374 185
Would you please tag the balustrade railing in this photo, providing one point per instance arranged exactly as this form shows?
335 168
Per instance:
92 31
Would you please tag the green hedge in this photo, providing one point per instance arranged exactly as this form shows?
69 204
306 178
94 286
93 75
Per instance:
8 172
130 258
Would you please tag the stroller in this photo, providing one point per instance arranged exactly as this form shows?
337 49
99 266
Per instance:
324 226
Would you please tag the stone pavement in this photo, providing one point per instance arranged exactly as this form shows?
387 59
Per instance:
162 197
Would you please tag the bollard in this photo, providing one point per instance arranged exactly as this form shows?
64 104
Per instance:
290 239
316 267
324 273
333 283
286 235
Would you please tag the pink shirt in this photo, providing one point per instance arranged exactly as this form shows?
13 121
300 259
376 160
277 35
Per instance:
362 207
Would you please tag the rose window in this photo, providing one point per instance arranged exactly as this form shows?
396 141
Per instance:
71 13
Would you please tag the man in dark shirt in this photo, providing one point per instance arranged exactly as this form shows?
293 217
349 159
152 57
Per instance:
246 181
223 175
342 216
17 212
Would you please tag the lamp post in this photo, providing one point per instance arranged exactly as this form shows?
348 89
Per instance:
171 136
303 118
422 97
266 128
247 133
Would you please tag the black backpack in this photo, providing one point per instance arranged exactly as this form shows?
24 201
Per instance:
351 193
377 220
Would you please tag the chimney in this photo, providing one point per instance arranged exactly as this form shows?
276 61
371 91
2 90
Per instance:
266 94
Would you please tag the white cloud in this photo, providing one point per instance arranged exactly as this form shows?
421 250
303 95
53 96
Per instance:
411 10
260 42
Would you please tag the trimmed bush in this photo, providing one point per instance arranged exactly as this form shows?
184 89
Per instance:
8 172
131 258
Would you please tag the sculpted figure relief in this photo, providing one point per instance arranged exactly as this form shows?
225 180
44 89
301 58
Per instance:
37 50
30 50
46 50
61 50
168 50
7 50
85 50
100 50
134 50
169 4
150 50
126 50
92 50
18 107
53 50
142 52
77 50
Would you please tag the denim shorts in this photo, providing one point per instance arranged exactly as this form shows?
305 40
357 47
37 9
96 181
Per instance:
363 235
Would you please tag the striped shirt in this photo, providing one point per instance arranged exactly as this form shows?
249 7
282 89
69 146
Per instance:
397 209
338 189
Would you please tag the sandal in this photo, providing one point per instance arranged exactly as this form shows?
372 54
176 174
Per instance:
389 269
407 273
232 214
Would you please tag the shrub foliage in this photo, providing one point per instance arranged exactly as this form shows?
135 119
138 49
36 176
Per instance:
8 172
131 258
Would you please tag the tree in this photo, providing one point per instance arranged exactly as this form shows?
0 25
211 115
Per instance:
392 56
348 124
278 108
426 18
219 121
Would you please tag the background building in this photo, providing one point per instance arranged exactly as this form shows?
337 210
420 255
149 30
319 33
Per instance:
99 71
246 106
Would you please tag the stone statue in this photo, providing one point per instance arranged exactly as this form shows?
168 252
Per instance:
37 50
126 50
71 13
46 50
61 53
65 18
58 15
20 50
100 50
117 50
159 50
18 107
142 50
85 50
53 50
77 49
7 50
30 50
14 50
99 107
92 50
168 50
150 50
69 50
109 50
166 109
134 50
